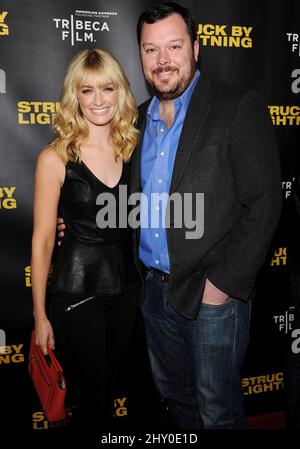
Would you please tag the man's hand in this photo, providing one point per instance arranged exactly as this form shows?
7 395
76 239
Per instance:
60 228
212 295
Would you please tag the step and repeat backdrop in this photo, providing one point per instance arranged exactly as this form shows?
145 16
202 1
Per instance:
253 43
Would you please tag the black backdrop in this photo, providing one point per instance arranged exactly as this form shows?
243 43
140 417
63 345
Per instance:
254 43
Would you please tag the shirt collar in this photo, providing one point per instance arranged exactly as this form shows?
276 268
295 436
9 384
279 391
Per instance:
183 100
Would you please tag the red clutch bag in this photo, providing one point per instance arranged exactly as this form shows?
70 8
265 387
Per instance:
48 380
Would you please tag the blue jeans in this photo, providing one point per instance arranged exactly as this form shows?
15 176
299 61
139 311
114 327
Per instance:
196 363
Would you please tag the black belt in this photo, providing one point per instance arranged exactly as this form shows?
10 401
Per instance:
164 277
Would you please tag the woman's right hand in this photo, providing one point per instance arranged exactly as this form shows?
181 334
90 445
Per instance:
44 336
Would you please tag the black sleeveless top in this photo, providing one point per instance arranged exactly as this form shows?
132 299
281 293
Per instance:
92 260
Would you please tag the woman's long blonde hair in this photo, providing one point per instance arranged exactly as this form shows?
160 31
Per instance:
69 124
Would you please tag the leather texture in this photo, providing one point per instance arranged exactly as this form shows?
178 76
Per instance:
92 260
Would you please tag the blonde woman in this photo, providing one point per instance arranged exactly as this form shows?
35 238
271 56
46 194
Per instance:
92 301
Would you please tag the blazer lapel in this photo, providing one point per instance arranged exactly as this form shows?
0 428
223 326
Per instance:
197 112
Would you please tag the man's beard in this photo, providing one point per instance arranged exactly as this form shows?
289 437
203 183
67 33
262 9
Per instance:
176 90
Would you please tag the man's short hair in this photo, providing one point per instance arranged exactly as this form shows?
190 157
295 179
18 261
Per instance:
163 10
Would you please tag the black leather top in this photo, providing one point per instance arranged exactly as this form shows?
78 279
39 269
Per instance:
92 260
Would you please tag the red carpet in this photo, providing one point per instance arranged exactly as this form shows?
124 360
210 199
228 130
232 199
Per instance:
273 420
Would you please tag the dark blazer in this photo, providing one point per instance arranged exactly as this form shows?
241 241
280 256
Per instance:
228 151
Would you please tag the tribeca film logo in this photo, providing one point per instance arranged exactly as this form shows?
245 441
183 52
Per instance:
83 29
224 35
2 82
284 321
294 40
287 187
4 30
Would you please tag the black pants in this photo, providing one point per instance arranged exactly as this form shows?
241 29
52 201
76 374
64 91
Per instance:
92 342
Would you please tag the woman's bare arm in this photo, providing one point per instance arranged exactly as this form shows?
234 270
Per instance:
49 177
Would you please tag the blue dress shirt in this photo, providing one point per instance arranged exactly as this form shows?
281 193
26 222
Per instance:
158 156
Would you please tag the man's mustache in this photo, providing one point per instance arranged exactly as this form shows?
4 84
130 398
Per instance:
166 68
